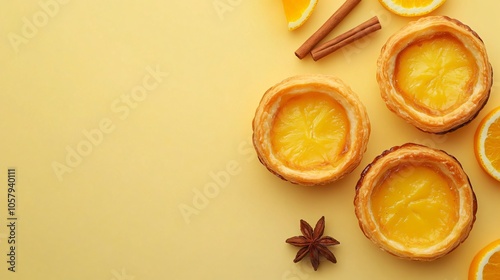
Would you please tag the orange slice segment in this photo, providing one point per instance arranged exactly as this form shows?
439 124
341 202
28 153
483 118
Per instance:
297 12
487 143
486 263
410 8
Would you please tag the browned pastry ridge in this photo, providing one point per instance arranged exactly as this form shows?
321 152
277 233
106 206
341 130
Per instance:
392 163
331 88
476 90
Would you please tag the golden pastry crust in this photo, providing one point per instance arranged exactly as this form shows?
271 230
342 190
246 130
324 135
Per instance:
416 155
440 121
356 140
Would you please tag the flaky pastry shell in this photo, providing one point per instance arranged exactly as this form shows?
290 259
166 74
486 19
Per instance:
415 155
357 136
437 121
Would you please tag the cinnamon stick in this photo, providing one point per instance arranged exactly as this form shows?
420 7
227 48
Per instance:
326 28
346 38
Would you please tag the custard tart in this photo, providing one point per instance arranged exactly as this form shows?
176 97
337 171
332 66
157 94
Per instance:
310 129
415 202
435 74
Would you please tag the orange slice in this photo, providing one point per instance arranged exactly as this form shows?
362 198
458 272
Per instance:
486 263
297 12
411 8
487 143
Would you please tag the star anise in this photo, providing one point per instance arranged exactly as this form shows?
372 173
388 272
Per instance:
312 243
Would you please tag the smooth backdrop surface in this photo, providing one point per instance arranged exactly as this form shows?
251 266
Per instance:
129 126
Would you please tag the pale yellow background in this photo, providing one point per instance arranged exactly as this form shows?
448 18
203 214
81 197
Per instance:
117 214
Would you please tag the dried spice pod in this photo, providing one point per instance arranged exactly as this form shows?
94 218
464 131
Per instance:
415 202
313 243
435 74
310 129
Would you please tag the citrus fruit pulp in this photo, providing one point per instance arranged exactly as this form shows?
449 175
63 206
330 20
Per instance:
297 12
411 8
487 143
486 263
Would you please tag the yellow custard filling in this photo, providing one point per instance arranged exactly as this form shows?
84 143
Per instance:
436 74
309 131
415 205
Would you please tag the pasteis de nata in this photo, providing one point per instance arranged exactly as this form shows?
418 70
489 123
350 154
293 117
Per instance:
415 202
310 129
435 74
